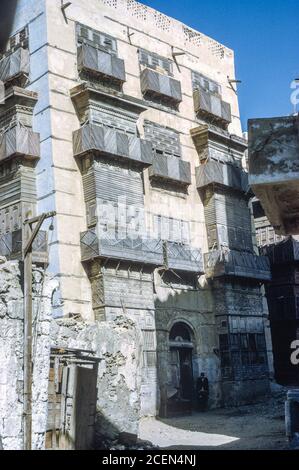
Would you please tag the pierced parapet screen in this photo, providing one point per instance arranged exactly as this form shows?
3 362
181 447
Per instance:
95 38
163 139
15 66
155 62
237 264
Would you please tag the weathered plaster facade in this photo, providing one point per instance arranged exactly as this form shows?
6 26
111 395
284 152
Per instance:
116 344
273 169
147 145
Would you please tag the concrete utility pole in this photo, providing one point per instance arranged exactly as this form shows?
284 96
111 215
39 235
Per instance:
28 239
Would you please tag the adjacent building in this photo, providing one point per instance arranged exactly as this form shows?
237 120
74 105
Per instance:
273 174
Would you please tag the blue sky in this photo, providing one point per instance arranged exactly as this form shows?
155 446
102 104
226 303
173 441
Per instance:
265 37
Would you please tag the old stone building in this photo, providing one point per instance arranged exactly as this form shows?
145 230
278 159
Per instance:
126 123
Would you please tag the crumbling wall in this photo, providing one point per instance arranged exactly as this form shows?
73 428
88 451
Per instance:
116 343
11 353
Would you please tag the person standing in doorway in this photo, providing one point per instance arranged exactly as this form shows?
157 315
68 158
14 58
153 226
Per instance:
202 392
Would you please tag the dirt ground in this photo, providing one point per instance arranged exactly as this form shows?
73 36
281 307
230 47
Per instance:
255 427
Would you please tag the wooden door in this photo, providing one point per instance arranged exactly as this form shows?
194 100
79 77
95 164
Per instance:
85 407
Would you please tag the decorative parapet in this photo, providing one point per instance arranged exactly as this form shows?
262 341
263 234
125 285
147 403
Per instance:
172 169
182 257
232 263
147 251
101 63
157 85
274 170
106 141
178 32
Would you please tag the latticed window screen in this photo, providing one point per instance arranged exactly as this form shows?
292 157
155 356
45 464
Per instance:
200 81
252 346
170 229
19 39
165 141
96 38
154 61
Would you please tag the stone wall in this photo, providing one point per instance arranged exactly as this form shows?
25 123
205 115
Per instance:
11 352
116 344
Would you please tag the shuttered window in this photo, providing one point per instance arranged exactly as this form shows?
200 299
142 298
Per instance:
97 39
169 229
200 81
155 61
164 140
19 39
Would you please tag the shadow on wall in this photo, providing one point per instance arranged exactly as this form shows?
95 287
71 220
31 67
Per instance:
186 344
8 7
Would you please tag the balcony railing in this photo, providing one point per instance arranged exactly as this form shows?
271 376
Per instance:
15 65
183 257
148 251
208 105
171 169
107 141
11 246
101 63
156 85
213 172
19 141
237 264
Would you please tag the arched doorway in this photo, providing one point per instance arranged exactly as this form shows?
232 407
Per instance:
180 388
